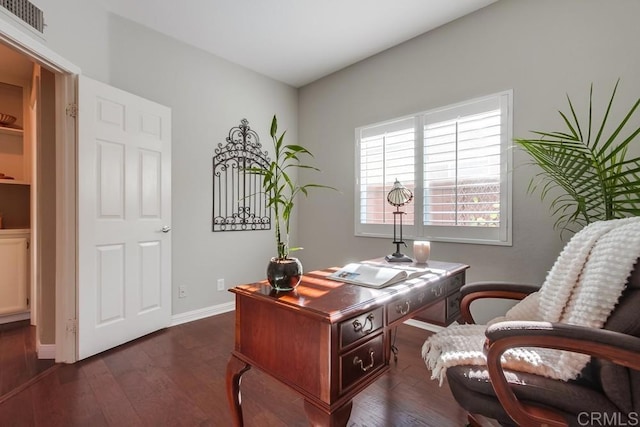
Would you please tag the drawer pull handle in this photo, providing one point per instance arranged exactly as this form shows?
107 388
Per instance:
358 361
437 291
403 308
359 327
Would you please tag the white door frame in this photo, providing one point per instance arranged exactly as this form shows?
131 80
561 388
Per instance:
66 183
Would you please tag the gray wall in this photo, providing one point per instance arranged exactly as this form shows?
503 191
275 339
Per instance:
541 49
208 96
77 30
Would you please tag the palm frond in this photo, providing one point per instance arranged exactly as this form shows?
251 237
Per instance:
586 180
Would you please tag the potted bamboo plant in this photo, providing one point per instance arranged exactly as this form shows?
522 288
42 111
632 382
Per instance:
284 272
589 167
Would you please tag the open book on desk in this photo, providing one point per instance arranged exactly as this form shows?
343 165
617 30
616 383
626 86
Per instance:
376 275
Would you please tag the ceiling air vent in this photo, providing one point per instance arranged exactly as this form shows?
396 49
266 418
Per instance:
26 11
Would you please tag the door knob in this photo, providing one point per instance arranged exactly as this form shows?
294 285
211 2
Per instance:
166 229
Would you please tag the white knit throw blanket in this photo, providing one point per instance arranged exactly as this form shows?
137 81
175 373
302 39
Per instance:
582 288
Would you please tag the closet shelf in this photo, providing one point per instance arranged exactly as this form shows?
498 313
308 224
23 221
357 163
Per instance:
13 182
11 131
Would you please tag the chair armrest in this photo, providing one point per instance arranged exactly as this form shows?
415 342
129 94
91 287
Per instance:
600 343
501 290
523 288
619 348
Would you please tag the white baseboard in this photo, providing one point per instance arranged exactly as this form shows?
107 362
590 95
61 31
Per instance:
201 313
45 351
424 325
48 351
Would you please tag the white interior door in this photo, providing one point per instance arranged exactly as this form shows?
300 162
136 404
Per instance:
124 217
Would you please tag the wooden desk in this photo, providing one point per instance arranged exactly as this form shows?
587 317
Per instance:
329 340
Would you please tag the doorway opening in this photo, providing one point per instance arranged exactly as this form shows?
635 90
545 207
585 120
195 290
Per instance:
27 233
37 199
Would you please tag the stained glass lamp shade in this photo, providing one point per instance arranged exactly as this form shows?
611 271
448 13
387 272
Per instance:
398 196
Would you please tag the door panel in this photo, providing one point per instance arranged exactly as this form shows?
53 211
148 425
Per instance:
150 275
110 284
110 196
124 154
150 189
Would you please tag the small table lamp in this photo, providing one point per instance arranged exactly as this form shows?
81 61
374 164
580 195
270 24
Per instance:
398 196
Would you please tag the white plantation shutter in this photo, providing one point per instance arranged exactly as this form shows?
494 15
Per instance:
387 153
457 162
462 170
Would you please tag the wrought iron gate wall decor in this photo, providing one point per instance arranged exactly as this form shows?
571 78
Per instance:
238 200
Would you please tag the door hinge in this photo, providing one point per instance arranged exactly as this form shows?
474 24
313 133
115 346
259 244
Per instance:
72 110
72 326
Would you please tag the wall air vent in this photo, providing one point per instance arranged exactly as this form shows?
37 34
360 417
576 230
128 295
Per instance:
26 11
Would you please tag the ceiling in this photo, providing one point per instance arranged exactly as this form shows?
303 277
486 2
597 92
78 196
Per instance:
294 41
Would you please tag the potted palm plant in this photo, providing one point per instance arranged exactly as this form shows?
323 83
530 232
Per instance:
589 167
284 272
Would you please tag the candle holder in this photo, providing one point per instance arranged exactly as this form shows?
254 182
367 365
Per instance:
421 251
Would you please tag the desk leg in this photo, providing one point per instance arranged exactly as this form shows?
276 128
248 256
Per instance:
235 369
319 418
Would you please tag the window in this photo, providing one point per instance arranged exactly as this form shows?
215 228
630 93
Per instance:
457 162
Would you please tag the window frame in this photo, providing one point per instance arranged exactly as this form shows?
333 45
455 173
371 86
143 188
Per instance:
501 236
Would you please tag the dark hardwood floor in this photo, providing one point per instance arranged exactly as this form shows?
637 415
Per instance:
19 361
176 377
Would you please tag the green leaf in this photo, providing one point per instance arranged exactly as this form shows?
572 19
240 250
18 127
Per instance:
606 114
279 143
598 182
299 149
274 126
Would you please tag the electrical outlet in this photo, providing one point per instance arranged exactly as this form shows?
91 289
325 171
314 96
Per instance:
221 284
182 291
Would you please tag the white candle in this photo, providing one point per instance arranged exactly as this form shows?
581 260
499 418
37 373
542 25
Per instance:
421 251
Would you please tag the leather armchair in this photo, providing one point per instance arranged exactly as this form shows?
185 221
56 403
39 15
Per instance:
500 290
606 393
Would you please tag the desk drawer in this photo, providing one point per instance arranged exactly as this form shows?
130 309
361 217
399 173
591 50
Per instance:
355 328
361 362
453 307
455 283
418 300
